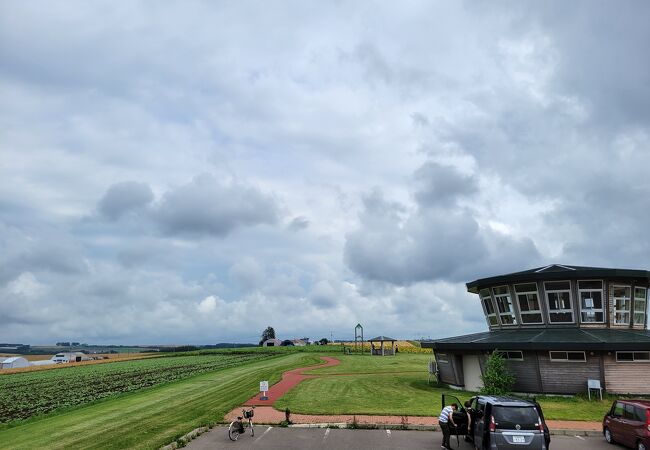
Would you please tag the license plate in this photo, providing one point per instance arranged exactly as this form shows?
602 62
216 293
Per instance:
519 439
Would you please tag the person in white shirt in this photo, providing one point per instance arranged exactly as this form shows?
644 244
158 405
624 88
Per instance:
444 419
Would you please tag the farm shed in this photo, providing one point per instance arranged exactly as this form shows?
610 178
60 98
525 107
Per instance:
272 343
557 327
67 357
15 362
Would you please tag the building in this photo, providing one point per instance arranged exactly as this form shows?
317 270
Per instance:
15 362
272 343
66 357
557 326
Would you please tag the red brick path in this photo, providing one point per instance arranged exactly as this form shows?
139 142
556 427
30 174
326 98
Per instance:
289 380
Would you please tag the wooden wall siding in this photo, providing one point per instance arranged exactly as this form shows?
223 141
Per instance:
446 370
568 377
525 372
458 368
626 378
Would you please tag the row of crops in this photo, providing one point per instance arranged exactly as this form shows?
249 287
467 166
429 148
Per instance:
23 395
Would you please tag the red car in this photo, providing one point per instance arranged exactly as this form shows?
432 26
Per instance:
628 423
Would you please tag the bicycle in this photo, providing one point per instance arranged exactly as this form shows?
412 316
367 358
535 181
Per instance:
236 427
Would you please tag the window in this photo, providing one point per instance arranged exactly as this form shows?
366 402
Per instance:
590 294
632 356
528 303
504 304
558 296
640 305
513 355
442 357
568 356
622 304
619 410
486 298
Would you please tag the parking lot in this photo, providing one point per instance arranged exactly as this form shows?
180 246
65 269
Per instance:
325 438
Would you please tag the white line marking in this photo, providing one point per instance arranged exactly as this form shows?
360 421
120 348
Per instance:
263 434
327 432
580 437
388 433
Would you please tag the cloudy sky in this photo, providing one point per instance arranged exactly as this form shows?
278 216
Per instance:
195 171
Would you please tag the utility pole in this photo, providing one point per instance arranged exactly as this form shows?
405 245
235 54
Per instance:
331 337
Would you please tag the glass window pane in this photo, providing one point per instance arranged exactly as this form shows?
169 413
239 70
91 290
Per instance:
639 318
558 355
624 356
593 316
621 291
500 290
531 318
575 356
640 293
590 284
564 317
557 285
642 356
493 320
485 293
528 287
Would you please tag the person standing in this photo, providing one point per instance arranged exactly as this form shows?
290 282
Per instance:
444 419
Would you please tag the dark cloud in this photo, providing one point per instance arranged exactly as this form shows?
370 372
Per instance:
207 206
124 197
298 223
440 184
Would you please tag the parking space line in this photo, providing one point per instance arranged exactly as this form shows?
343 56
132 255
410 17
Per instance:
580 437
263 434
327 432
388 433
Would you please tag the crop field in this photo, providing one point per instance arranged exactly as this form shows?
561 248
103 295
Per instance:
23 395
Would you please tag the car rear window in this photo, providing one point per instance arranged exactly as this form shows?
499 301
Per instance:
508 417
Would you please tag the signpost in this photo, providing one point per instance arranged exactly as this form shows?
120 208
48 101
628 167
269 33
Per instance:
264 387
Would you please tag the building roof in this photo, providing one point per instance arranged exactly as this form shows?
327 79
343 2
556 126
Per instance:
560 272
547 339
12 359
381 338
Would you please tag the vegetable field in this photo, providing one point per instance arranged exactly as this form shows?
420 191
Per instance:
23 395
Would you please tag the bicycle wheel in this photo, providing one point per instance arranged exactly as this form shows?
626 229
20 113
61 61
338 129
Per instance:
233 432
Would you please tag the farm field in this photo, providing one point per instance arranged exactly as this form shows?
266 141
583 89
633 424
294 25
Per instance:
398 386
152 417
23 395
111 357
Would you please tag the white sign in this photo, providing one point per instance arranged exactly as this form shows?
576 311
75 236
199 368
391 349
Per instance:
264 386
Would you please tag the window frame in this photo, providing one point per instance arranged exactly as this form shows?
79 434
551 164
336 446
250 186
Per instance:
512 312
621 311
584 354
548 302
603 302
494 309
645 306
536 312
505 355
633 360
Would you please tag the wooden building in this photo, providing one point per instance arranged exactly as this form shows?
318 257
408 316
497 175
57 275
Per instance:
557 327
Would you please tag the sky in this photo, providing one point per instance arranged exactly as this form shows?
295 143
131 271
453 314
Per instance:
195 171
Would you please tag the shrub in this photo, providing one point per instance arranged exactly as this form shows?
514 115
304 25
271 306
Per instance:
497 379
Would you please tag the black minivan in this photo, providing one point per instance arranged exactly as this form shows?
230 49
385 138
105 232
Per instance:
493 422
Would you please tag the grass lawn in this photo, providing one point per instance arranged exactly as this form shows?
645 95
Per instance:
402 393
152 417
377 364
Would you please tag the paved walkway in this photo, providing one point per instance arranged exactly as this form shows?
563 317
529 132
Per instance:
266 414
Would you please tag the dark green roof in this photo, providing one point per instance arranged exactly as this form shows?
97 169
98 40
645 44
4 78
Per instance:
560 272
381 338
547 339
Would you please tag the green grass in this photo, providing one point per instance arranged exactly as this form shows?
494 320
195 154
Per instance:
377 364
153 417
403 393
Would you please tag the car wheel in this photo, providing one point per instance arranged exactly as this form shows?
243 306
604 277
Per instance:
640 446
608 436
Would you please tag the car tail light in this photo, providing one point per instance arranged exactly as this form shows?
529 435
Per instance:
647 419
493 426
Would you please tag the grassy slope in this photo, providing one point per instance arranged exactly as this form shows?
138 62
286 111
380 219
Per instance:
403 393
154 417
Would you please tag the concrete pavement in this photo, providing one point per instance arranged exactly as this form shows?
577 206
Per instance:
342 439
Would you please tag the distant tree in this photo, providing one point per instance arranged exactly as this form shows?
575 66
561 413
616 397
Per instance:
324 341
267 334
497 379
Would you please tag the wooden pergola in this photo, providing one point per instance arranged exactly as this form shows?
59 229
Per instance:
382 350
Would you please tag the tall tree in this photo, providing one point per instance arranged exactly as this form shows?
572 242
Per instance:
267 334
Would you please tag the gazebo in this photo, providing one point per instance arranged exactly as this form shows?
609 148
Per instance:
382 351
